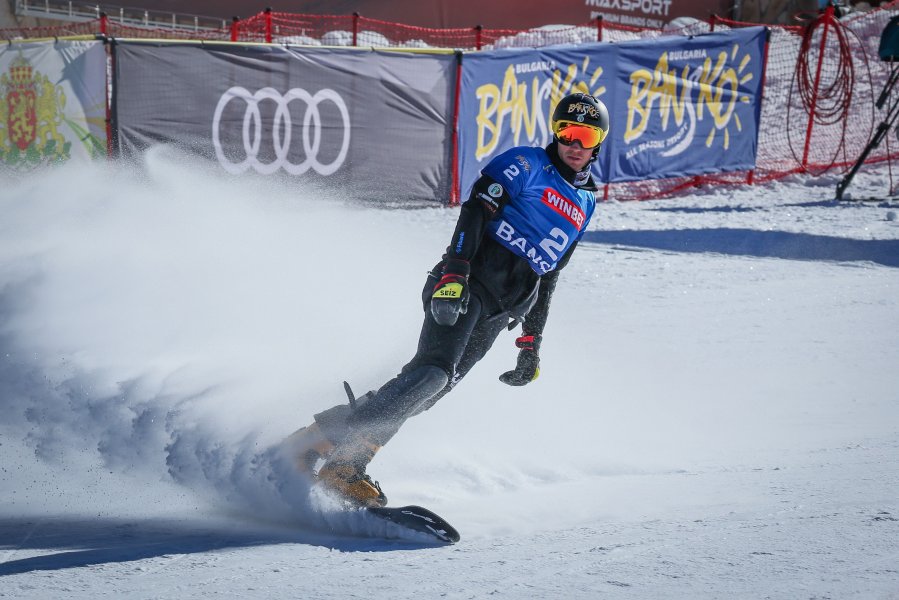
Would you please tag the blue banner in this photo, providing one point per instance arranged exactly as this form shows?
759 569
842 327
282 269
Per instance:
508 95
678 105
687 106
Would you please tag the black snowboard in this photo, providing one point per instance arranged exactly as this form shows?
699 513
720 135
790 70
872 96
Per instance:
418 519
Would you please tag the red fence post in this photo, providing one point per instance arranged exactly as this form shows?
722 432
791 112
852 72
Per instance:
355 29
455 192
828 18
477 36
104 24
712 22
268 25
234 27
599 28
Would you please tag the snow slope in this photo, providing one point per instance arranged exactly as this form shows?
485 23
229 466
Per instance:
717 413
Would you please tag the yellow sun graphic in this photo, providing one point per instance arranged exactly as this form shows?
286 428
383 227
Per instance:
577 78
738 78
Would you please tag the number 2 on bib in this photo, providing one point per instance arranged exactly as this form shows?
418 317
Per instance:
556 244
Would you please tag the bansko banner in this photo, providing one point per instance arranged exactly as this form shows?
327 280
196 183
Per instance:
508 95
373 124
678 106
687 106
52 102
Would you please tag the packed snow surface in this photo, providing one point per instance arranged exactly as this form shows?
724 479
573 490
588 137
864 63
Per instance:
717 414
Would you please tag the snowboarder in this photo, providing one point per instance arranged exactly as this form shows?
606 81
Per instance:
516 231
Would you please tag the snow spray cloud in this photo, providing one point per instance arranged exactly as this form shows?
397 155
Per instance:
164 322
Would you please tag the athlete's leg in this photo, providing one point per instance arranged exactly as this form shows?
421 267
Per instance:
378 415
440 349
479 343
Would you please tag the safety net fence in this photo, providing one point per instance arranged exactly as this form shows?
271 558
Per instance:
821 84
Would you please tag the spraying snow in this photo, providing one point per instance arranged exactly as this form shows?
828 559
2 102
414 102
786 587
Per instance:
716 413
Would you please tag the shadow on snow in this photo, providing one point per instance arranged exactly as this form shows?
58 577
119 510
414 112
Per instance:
749 242
66 542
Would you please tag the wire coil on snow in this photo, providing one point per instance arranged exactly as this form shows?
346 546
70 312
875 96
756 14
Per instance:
824 82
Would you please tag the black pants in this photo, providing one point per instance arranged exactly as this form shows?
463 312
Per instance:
451 350
458 348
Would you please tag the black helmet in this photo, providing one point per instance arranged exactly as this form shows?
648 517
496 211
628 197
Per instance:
581 109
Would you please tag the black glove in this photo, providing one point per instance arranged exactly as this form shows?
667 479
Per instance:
528 367
450 297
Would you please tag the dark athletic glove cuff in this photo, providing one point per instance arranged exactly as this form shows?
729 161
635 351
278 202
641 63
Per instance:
456 266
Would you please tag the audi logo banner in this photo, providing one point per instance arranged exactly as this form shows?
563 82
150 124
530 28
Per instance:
373 124
282 131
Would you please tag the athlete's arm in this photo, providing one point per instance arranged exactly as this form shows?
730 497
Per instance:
487 200
536 317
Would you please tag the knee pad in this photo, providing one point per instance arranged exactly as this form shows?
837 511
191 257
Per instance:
391 405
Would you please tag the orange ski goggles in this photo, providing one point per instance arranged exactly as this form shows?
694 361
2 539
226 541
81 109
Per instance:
568 133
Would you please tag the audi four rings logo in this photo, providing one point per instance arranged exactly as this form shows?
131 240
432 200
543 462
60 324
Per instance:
282 130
